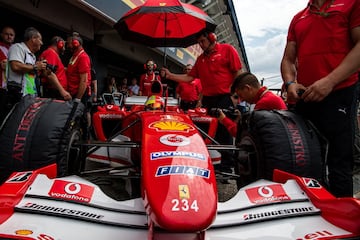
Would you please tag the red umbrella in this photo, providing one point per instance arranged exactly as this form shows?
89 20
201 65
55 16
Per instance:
164 23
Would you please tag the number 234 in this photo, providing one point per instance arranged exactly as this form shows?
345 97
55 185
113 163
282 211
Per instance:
184 205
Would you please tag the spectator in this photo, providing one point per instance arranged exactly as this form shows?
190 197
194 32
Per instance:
56 87
110 85
217 68
147 78
7 39
322 57
123 87
189 92
23 69
248 88
134 87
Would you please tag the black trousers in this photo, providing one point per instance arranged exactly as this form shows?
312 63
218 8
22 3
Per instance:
186 105
3 104
334 118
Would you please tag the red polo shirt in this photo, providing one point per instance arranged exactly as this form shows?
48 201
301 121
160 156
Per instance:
323 40
52 57
3 56
216 70
264 100
189 91
267 100
78 64
145 82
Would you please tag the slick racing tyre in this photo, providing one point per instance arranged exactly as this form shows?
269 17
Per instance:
36 134
278 140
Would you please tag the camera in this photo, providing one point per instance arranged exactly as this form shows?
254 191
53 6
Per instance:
51 67
229 112
300 92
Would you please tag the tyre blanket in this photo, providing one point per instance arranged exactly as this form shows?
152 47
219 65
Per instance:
286 141
35 134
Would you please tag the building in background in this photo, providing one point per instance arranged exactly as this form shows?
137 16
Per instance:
94 20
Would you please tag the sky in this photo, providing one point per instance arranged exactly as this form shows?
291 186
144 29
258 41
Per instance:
263 25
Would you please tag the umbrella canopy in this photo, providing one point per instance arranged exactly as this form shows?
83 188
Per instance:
164 23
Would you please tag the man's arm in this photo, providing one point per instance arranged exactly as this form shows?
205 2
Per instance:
176 77
288 71
55 81
82 85
94 89
20 67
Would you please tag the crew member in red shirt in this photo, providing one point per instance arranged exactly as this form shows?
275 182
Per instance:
248 88
216 67
189 92
322 57
147 78
78 70
7 39
56 87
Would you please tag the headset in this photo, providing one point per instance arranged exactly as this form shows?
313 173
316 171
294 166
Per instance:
212 37
154 66
59 42
76 40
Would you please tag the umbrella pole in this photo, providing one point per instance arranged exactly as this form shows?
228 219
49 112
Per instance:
165 93
165 22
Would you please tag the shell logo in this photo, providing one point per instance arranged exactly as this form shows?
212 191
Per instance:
171 126
23 232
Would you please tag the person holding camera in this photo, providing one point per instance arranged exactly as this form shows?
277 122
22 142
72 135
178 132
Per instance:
248 88
23 68
54 81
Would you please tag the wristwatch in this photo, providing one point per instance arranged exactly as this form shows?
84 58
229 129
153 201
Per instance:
287 84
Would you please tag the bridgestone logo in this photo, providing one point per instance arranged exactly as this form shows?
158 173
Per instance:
63 211
290 211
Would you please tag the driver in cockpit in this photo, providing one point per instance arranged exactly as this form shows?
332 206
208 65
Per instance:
154 102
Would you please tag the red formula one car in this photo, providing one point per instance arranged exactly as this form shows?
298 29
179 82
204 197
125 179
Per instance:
164 160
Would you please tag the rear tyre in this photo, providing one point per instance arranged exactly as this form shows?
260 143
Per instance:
74 156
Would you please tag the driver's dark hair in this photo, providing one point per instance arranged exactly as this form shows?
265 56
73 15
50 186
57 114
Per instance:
243 79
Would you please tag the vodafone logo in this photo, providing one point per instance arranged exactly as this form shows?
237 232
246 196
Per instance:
174 140
71 191
72 188
267 194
